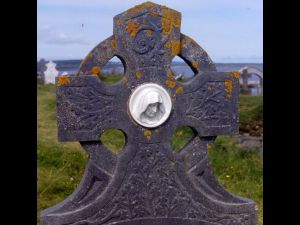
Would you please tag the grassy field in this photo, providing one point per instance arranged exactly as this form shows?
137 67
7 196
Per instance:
61 165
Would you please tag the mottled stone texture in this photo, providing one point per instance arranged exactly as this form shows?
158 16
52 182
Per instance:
148 183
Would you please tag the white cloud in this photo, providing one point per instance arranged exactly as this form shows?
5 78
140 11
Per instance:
49 36
222 27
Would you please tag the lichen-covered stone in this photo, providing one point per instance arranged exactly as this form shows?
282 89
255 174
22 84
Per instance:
148 183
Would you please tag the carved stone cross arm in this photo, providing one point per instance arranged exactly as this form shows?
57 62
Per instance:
210 103
86 107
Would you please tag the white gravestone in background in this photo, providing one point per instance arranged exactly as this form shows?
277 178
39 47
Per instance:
50 73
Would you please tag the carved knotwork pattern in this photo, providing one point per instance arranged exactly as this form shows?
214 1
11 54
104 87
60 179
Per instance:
152 189
85 107
210 104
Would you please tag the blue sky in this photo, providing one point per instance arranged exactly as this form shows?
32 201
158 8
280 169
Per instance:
229 30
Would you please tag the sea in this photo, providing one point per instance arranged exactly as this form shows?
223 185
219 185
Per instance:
70 67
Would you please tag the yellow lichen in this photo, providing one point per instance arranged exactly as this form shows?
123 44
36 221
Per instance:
118 22
140 7
138 74
113 44
168 45
148 4
166 26
236 74
195 64
166 12
170 18
62 80
176 19
179 90
133 27
96 70
147 134
228 87
135 9
175 47
149 33
170 74
170 83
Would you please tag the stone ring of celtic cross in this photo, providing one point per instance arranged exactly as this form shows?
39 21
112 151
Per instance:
150 105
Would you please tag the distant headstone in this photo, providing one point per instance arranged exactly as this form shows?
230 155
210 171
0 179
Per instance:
51 73
148 183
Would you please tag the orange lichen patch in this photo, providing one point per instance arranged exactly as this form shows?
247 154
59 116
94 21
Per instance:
166 26
149 33
195 64
170 83
170 18
168 44
96 70
113 44
179 90
170 74
166 12
118 22
147 134
148 4
228 87
235 74
175 47
176 18
140 7
135 9
62 80
138 74
133 27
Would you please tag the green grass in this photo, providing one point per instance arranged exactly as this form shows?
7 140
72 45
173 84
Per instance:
251 114
61 164
111 78
180 138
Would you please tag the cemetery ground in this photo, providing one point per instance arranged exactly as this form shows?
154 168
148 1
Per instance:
61 164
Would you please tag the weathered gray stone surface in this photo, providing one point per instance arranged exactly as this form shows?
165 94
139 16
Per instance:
249 142
148 183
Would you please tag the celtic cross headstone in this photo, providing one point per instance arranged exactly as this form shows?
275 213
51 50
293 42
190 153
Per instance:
148 183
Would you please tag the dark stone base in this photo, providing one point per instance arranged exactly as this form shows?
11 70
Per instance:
163 221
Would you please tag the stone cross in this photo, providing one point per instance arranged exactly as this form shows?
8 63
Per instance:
148 183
